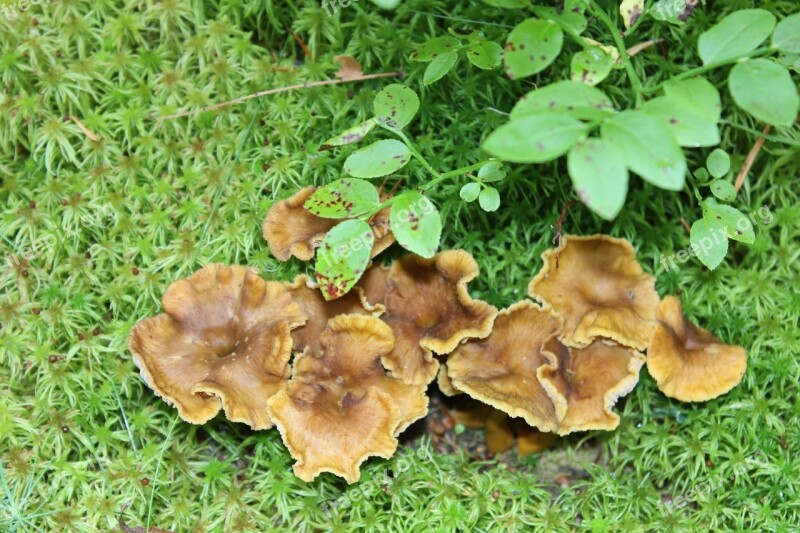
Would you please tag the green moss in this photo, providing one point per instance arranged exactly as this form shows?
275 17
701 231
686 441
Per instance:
93 231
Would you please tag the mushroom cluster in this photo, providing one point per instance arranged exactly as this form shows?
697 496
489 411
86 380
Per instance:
562 364
342 379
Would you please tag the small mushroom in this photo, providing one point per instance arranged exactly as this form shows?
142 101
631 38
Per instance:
291 230
319 310
530 440
501 370
499 435
585 383
224 341
430 310
340 406
688 362
596 285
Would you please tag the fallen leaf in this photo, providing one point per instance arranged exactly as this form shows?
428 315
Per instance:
350 70
303 45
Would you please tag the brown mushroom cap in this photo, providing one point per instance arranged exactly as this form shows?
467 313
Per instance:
374 283
224 341
430 310
689 363
445 383
599 289
291 230
341 406
585 383
319 310
501 370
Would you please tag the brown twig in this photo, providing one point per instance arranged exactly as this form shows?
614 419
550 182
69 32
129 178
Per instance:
559 236
300 42
751 158
633 50
686 225
84 129
259 94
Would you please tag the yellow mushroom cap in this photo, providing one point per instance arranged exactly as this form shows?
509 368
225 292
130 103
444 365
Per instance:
224 341
596 285
430 310
585 383
340 406
292 230
689 363
501 370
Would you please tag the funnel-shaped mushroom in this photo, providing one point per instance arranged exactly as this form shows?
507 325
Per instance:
292 230
224 341
340 407
319 310
429 310
596 285
530 440
374 283
585 383
689 363
501 370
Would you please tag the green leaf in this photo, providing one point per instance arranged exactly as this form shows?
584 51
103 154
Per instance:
738 226
709 241
692 109
569 97
396 105
735 35
435 47
345 198
350 135
765 89
378 159
701 174
531 46
470 192
631 10
791 61
489 199
591 66
486 55
416 224
439 67
342 257
723 190
491 171
599 176
507 4
570 17
535 138
787 35
718 163
648 148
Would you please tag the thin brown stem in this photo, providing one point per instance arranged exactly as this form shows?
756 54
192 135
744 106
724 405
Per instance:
259 94
751 158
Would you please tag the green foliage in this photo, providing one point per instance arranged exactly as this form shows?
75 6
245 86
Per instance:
343 257
84 442
442 53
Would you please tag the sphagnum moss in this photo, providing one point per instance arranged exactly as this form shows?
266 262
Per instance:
83 441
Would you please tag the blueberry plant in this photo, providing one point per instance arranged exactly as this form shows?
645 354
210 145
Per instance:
414 220
605 141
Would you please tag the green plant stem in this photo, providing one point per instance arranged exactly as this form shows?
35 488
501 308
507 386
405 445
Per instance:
774 138
636 83
702 70
412 149
454 173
